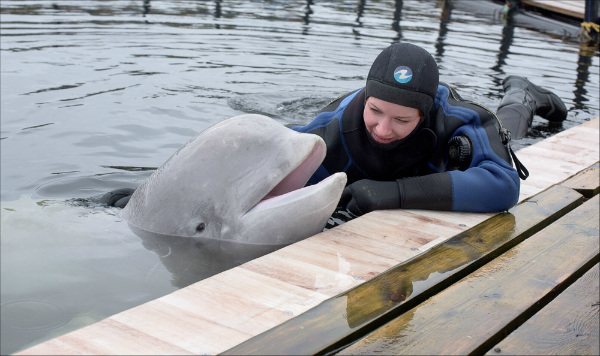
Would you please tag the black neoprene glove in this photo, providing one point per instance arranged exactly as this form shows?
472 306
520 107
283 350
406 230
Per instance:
117 198
366 195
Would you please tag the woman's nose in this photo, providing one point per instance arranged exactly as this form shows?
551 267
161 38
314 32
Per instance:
384 127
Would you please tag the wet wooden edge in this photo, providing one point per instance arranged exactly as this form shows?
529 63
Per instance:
566 326
329 326
545 300
499 297
586 182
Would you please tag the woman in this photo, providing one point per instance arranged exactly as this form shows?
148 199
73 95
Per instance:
407 141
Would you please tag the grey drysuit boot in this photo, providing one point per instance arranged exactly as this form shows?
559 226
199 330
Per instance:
522 100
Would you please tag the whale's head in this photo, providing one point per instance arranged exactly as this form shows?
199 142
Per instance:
241 180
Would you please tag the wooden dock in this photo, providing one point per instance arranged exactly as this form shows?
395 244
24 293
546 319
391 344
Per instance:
573 8
337 287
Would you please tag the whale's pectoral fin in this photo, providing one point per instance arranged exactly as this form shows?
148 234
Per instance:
117 198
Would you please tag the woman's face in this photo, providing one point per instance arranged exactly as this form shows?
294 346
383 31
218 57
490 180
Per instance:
388 122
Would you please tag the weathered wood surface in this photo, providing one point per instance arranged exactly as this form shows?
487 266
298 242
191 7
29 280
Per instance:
471 316
566 326
555 159
351 315
258 296
586 182
574 8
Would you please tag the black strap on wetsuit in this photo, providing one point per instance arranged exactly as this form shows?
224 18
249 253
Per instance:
505 137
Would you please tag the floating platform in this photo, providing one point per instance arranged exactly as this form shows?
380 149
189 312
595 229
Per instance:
573 8
391 271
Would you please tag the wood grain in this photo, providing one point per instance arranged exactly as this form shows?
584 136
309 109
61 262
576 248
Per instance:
566 326
586 182
594 124
474 314
367 306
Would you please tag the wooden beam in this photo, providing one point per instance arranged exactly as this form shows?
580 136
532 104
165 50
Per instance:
566 326
586 182
474 314
573 8
353 314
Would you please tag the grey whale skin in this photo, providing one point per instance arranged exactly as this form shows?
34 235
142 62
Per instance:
237 189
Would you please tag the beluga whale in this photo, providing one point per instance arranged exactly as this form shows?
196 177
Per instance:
238 188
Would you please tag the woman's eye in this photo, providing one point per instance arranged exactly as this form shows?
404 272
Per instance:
375 110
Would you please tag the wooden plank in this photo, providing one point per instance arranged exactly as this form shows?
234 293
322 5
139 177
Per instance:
109 337
360 310
206 317
358 264
563 155
302 274
52 347
387 231
474 314
262 306
586 182
595 123
570 8
566 326
540 151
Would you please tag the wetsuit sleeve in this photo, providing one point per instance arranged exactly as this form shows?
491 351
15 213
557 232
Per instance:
431 192
489 184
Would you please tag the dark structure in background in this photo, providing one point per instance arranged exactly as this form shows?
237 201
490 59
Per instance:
146 7
592 16
446 6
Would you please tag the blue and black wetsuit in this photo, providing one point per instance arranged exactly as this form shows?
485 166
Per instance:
420 164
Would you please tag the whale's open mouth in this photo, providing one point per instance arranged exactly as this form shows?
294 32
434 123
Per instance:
292 186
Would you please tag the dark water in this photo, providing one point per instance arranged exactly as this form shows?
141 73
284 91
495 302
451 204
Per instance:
94 94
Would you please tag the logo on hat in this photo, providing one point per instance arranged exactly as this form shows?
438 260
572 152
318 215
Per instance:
403 74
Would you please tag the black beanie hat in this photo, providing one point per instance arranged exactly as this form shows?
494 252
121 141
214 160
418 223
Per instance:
406 75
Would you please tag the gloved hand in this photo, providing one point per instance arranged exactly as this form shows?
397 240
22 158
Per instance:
117 198
366 195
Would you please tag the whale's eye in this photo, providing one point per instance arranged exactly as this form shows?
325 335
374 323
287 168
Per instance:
200 227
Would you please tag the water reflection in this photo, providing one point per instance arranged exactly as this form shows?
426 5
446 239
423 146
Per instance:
307 12
360 9
507 37
190 260
146 7
217 13
584 61
446 7
396 20
396 286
